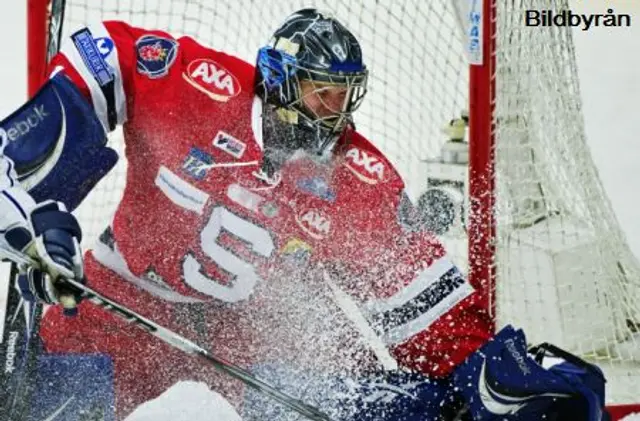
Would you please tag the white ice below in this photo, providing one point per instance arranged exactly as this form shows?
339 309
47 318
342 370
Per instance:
186 401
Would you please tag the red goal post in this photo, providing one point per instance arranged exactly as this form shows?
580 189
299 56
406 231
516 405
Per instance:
37 23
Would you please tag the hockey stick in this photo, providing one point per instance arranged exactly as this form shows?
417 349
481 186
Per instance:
19 347
189 347
182 343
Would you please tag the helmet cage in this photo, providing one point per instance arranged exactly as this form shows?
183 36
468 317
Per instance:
355 86
282 75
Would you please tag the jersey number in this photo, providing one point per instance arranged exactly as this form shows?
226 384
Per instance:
244 272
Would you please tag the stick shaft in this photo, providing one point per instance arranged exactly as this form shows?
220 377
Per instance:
180 342
189 347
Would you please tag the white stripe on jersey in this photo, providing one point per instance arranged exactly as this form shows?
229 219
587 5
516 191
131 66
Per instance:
411 291
435 291
402 333
70 51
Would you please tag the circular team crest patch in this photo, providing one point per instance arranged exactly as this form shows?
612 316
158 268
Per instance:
155 55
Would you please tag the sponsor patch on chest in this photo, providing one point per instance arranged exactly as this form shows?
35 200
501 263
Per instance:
296 251
252 201
366 166
316 186
212 79
180 192
197 163
314 223
234 147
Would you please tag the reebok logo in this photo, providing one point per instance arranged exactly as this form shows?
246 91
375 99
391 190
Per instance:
24 126
10 362
520 359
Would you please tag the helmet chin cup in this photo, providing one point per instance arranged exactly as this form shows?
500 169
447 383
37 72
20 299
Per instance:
283 135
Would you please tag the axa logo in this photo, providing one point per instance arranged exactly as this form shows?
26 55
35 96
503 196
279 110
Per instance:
314 223
366 166
517 356
212 79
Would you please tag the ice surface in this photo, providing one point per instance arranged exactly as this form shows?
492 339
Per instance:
186 401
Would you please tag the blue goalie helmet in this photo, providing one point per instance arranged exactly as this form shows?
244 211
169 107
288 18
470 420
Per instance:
311 78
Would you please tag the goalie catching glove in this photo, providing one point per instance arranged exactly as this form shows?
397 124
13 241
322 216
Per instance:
51 238
502 381
505 381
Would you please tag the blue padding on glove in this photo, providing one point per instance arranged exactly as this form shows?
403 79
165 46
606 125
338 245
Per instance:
50 217
57 144
18 237
502 382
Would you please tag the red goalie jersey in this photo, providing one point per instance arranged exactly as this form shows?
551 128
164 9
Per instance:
248 269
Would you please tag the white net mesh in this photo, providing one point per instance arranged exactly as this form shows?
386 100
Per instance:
565 273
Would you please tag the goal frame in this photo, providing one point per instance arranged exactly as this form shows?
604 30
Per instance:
37 21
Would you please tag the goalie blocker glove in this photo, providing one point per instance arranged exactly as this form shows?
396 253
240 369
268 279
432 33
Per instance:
60 157
52 239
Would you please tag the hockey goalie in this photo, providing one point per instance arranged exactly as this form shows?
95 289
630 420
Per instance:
257 222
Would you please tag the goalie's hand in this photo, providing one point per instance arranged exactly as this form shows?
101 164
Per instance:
35 285
51 238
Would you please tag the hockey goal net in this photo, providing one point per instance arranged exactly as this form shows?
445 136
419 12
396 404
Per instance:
527 217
